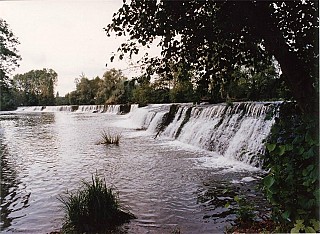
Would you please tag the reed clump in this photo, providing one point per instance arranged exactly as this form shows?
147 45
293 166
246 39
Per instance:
108 138
93 208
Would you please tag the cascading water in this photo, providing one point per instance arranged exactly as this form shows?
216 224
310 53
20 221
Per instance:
31 108
91 108
112 109
144 118
236 131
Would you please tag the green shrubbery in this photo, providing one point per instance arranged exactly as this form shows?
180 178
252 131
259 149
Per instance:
93 208
292 184
245 211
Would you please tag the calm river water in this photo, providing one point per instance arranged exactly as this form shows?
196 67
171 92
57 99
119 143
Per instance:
167 185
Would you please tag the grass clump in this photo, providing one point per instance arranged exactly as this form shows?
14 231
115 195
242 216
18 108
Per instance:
107 138
93 208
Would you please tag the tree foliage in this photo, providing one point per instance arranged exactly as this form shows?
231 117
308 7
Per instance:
106 90
35 87
113 86
292 185
9 58
215 38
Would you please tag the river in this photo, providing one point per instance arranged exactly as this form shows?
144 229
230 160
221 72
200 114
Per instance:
167 183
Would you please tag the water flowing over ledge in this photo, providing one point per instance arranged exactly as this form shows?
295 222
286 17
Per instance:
113 109
234 130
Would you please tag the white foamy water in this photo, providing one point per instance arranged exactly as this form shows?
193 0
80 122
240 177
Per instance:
113 109
234 132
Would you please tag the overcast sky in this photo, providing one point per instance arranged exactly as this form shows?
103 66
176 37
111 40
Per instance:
66 36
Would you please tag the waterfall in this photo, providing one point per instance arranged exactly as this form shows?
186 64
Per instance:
112 109
58 108
142 117
233 131
31 108
91 108
236 131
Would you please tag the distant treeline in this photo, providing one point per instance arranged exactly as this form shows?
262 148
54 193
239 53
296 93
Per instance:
33 88
182 86
36 87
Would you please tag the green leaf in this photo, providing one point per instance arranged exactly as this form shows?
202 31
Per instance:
282 149
298 226
300 150
309 153
316 193
315 224
227 205
237 198
289 147
309 138
268 181
297 140
286 215
307 170
299 223
295 230
301 212
224 191
309 230
271 147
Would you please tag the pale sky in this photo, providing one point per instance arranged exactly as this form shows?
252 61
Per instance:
66 36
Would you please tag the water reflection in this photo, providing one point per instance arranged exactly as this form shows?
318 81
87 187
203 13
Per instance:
33 119
25 141
214 196
217 198
13 195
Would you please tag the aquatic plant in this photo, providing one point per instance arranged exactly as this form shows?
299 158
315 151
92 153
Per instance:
93 208
108 138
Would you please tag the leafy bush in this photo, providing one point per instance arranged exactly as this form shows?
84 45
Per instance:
292 184
245 211
93 208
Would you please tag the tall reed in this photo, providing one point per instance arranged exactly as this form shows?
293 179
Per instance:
108 138
93 208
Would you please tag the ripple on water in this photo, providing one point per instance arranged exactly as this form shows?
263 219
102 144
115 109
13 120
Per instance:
163 184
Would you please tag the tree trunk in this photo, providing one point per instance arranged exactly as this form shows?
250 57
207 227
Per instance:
293 69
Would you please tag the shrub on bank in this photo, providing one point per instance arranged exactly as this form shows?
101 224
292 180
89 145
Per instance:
292 185
93 208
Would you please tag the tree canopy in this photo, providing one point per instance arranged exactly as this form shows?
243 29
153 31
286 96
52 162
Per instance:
9 58
35 87
216 38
